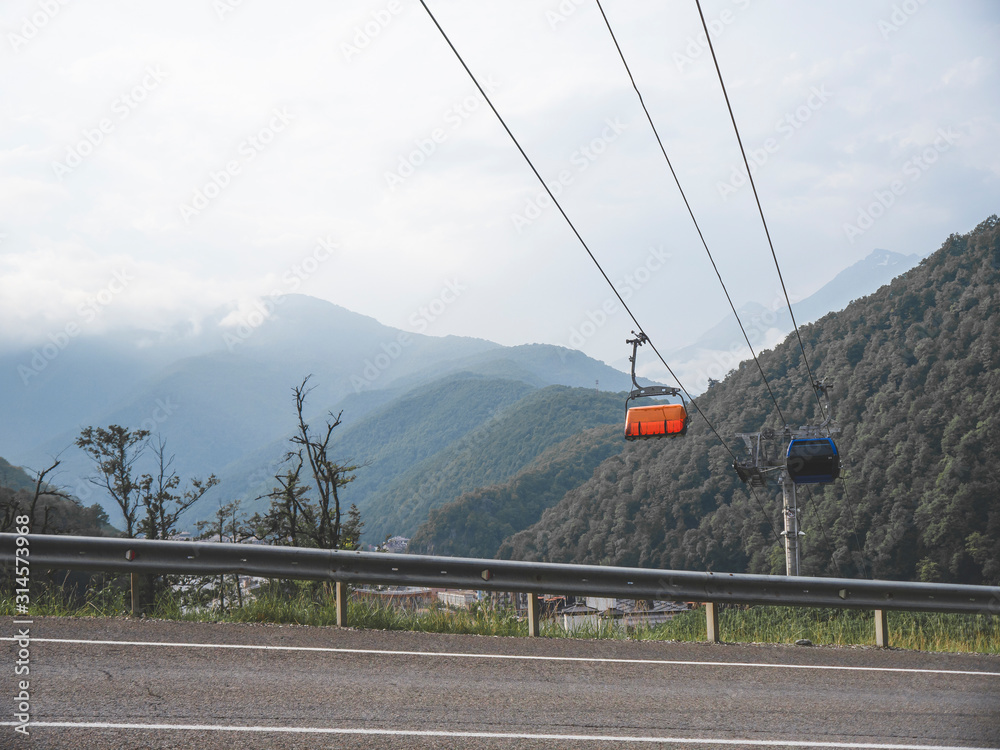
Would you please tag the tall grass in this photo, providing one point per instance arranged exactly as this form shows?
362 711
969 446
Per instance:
921 631
55 602
314 604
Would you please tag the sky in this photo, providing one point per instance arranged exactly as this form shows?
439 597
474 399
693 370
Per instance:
160 160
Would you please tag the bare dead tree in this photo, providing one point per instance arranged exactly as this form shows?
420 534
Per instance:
160 497
43 489
328 475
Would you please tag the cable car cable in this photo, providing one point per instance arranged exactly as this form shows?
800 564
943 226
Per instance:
704 243
817 515
690 211
822 526
805 359
565 216
854 526
579 237
767 232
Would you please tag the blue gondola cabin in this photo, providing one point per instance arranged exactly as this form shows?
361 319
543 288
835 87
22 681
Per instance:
812 461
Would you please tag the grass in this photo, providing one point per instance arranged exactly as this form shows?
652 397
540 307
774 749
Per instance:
314 604
922 631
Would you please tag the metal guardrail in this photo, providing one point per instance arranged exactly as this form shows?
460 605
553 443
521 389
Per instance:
344 567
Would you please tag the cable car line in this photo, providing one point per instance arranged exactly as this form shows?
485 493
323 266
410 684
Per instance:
817 386
818 515
822 527
854 526
690 211
817 458
562 211
701 236
760 210
583 243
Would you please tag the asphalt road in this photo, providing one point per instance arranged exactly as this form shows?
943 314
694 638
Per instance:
149 684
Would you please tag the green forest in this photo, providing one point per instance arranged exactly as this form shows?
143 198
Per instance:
916 374
506 439
477 523
53 511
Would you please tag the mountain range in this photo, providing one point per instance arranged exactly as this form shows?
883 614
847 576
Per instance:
420 415
221 396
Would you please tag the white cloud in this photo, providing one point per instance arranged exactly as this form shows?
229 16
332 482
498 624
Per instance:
354 116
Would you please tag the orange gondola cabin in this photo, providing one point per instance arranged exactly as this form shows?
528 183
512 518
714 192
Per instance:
656 420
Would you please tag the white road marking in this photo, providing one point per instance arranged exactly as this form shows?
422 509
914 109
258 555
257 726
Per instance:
512 657
484 735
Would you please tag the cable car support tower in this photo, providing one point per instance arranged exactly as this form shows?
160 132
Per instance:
805 455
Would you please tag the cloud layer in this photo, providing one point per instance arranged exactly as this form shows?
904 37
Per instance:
168 159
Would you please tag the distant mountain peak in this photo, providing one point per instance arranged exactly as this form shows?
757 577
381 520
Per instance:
722 345
882 257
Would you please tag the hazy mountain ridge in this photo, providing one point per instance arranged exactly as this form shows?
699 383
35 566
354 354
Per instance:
14 477
722 346
219 392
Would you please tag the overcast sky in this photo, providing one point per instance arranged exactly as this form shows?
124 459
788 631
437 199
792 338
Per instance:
160 159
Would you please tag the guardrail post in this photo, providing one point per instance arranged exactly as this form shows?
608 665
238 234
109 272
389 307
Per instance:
881 628
533 615
340 593
712 622
134 593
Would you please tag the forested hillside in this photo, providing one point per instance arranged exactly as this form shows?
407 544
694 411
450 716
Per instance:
14 477
501 439
476 523
916 368
50 510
